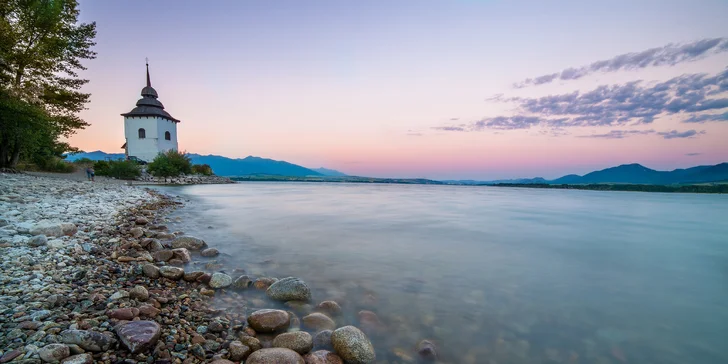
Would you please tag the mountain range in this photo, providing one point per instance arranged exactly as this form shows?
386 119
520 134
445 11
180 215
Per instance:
631 174
223 166
624 174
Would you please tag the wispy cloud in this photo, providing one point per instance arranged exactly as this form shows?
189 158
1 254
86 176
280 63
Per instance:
692 154
692 97
668 55
618 134
673 134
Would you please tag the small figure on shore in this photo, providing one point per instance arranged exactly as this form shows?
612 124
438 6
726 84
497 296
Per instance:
90 173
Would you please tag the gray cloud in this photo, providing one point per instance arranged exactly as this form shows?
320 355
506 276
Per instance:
673 134
692 154
693 97
618 134
668 55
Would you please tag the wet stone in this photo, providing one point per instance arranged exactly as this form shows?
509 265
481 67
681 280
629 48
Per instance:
173 273
189 242
289 289
318 321
53 353
298 341
79 359
220 280
88 340
322 357
275 355
352 345
139 336
267 321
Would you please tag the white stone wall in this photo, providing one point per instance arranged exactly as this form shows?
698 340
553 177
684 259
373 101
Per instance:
154 143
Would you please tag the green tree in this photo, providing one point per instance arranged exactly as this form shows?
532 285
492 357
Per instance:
41 49
170 164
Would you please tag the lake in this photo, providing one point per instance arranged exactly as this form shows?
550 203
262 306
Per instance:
501 275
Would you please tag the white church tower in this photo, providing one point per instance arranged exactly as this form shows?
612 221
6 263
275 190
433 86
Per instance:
148 129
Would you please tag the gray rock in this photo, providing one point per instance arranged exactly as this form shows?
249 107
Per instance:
182 254
139 336
322 357
173 273
88 340
119 295
151 271
139 293
47 228
136 232
322 340
210 252
38 240
163 255
239 351
298 341
220 280
242 282
318 321
54 353
275 355
79 359
353 346
189 243
427 350
267 321
289 289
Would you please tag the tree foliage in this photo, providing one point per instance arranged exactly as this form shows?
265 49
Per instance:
118 169
170 164
203 169
41 49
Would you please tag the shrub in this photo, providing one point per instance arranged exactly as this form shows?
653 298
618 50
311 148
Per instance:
170 164
202 169
54 164
117 169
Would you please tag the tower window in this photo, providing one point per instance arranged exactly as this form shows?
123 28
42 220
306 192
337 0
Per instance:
142 133
167 136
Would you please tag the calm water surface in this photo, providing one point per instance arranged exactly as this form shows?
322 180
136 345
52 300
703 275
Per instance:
500 275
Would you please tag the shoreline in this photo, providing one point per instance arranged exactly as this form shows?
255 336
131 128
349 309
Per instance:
108 278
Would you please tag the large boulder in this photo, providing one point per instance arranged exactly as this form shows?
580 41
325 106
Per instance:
182 254
353 345
322 357
267 321
220 280
53 228
189 243
298 341
87 340
322 340
139 336
275 355
289 289
54 353
318 321
151 271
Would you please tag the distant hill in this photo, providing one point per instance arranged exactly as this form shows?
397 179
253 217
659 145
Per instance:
224 166
635 174
329 172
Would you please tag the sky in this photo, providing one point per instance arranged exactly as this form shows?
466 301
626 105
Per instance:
433 89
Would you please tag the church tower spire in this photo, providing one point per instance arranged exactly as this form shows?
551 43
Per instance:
149 82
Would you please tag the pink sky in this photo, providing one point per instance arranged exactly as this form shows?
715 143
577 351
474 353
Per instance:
360 88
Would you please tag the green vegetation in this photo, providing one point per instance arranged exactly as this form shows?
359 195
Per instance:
83 162
118 169
170 164
41 49
701 188
203 169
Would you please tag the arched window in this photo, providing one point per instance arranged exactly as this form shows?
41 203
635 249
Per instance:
167 136
142 133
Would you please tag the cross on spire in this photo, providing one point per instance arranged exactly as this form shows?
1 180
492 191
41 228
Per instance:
149 82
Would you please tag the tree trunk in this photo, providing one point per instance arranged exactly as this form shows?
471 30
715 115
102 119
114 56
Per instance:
4 152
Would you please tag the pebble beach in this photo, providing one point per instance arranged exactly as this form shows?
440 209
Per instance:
91 273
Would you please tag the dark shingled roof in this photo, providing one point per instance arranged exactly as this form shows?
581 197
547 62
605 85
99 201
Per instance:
148 105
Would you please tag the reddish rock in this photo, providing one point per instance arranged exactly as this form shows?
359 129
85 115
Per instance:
330 308
139 336
266 321
369 322
263 283
275 355
127 313
148 311
163 255
182 254
322 357
192 276
318 321
10 355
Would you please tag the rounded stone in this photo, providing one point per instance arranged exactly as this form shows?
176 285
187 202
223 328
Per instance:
318 321
53 353
139 336
189 242
173 273
242 282
220 280
163 255
322 340
84 358
298 341
275 355
38 240
151 271
139 293
330 308
267 321
239 351
353 345
427 350
210 252
322 357
251 342
289 289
